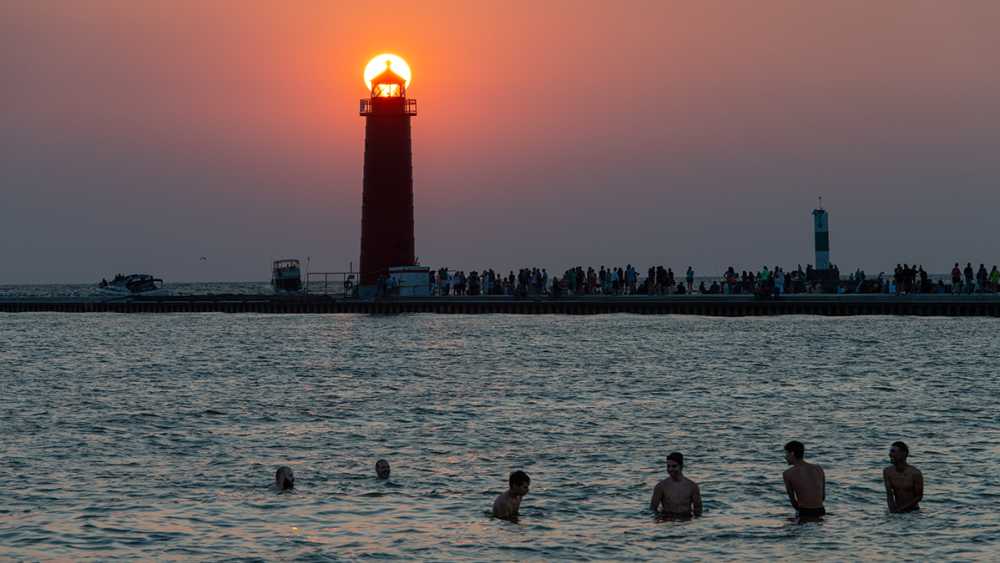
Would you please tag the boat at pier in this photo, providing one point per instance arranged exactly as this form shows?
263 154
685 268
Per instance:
132 284
286 276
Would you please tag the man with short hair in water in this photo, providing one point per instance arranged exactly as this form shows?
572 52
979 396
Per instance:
382 469
508 503
676 496
805 482
904 484
284 479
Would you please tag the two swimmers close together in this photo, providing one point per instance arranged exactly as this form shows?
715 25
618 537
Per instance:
680 497
805 482
284 479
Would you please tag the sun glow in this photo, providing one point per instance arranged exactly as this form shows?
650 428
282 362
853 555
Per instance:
376 66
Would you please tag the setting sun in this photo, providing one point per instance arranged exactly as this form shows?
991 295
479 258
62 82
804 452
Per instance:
377 65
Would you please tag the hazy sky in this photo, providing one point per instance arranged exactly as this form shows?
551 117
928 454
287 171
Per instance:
140 136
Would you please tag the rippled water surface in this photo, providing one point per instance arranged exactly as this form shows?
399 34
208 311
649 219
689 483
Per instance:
156 436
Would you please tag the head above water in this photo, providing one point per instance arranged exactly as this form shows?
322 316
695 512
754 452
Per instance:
796 448
675 463
519 482
898 452
382 469
284 479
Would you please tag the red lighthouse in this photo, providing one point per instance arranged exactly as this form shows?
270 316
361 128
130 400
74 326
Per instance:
387 198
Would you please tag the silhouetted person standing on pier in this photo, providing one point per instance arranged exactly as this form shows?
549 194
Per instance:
805 483
904 484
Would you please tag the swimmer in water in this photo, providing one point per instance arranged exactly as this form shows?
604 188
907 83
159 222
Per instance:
382 469
904 484
805 483
508 503
676 496
284 479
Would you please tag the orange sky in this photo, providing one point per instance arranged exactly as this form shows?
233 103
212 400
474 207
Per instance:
549 133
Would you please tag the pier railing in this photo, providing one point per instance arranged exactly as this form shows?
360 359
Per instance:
334 284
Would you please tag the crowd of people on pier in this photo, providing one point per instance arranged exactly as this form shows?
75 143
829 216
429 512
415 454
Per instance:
658 280
678 497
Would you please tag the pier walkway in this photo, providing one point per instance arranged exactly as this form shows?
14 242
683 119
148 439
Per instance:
707 305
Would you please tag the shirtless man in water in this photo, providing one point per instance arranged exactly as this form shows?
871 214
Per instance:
508 502
676 495
904 484
805 483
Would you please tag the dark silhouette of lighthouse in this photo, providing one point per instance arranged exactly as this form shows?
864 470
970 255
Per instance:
387 199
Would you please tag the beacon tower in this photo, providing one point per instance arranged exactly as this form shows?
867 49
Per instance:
821 227
387 197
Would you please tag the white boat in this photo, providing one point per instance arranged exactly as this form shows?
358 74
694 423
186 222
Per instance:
132 285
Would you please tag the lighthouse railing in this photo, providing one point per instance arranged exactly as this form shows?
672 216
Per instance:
366 107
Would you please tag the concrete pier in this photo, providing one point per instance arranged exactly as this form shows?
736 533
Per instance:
706 305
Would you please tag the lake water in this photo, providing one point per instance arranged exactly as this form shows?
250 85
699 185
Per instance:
157 436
